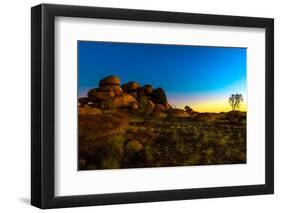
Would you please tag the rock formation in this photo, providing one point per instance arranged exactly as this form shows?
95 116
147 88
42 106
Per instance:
131 95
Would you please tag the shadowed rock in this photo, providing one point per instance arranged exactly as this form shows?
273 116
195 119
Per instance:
146 90
158 96
160 107
83 101
149 108
134 105
134 94
131 86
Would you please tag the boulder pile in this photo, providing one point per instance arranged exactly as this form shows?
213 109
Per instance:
151 102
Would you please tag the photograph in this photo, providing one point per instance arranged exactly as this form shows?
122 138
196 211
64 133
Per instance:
144 105
139 105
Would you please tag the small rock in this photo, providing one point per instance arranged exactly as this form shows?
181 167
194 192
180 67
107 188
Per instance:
134 146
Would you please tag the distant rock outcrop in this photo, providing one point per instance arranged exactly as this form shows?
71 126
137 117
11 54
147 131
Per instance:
178 113
205 117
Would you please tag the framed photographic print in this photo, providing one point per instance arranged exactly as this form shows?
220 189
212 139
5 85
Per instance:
140 106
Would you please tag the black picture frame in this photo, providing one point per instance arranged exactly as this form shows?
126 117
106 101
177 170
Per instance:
43 114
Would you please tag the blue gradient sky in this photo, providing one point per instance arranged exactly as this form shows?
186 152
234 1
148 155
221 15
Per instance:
200 76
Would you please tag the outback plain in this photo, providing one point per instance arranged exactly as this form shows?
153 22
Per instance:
135 126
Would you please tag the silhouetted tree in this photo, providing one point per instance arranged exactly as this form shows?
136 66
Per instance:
235 101
188 109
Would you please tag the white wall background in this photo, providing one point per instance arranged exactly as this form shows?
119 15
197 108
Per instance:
15 105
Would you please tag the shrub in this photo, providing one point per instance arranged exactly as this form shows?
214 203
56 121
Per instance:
143 102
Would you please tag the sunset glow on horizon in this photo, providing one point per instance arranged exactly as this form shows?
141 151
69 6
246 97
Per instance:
201 77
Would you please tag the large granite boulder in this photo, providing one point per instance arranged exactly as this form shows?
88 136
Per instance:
95 95
146 90
131 86
110 80
115 88
124 100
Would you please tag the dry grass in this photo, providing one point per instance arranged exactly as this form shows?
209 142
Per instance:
167 142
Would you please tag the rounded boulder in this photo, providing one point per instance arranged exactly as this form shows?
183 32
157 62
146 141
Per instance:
110 80
134 146
95 95
124 100
130 86
116 89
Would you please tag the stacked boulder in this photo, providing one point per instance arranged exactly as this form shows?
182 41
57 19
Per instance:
131 88
152 102
110 94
